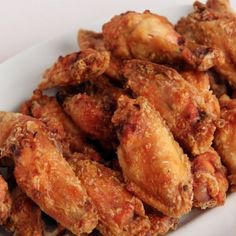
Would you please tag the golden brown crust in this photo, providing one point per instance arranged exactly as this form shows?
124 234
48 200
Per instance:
25 217
201 26
180 104
5 201
119 212
210 183
225 139
152 37
43 174
154 166
75 68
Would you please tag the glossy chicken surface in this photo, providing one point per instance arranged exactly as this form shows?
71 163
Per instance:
119 212
75 68
40 170
225 137
213 24
180 104
25 218
5 201
153 164
210 183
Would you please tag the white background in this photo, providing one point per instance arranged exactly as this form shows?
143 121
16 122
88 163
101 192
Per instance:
24 23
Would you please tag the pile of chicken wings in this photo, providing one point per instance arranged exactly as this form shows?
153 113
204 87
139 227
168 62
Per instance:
141 130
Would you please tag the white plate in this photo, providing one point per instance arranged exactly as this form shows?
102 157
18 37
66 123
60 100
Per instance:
21 74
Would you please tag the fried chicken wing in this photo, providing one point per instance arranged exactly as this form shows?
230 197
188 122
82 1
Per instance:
5 201
142 35
89 39
225 139
60 125
120 213
180 104
152 37
75 68
25 218
43 174
210 25
153 164
210 183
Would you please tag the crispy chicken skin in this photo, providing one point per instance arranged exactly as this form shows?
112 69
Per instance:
211 26
180 104
152 37
210 183
153 164
119 212
25 218
90 39
91 115
60 125
75 68
201 81
5 201
225 139
43 174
